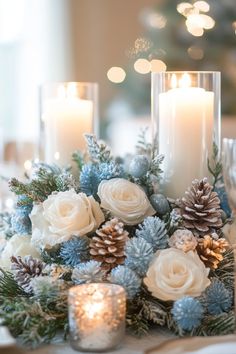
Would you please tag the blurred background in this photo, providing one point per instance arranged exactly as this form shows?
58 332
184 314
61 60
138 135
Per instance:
114 43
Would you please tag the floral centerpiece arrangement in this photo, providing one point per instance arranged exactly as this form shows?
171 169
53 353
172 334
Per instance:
110 223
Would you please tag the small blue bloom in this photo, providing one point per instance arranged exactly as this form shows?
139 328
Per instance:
187 313
89 272
126 277
153 230
75 251
139 254
21 223
89 179
110 170
218 299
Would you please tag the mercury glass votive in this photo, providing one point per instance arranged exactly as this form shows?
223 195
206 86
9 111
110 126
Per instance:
96 316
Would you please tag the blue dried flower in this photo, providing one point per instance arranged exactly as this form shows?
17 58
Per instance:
187 313
153 230
24 205
89 272
89 179
224 203
218 299
127 278
75 251
110 170
20 222
138 253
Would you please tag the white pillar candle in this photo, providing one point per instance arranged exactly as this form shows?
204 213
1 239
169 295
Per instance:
66 119
185 134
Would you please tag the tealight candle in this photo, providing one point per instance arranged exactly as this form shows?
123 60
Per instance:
96 316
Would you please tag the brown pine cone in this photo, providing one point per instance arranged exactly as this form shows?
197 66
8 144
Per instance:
200 208
210 250
108 245
25 269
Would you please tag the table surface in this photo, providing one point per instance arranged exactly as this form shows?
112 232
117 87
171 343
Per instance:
168 343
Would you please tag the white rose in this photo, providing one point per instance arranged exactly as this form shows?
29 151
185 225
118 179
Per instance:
173 274
17 245
62 215
125 200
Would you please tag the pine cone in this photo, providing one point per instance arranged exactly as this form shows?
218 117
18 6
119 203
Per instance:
108 245
200 208
25 269
210 250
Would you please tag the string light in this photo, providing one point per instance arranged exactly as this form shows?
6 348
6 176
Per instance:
116 74
196 22
195 53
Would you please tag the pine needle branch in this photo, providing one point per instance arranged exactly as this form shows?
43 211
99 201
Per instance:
216 168
78 158
98 152
8 285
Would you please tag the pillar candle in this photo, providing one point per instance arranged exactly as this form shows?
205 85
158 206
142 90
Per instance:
185 134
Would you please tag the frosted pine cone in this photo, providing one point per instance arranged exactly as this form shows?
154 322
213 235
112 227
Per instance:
210 250
108 245
183 240
200 208
25 269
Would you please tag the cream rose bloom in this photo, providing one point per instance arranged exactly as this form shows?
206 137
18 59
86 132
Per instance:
17 245
62 215
125 200
173 274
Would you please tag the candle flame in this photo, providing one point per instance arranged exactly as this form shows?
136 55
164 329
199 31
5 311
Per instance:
93 309
185 81
71 90
173 81
61 91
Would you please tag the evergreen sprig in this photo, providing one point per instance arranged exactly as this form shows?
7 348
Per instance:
30 322
78 158
8 285
215 166
98 152
143 147
47 180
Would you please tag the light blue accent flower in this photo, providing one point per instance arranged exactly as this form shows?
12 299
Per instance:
75 251
89 272
89 179
218 299
126 277
153 230
138 253
187 313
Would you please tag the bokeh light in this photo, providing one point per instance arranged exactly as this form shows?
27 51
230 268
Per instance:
116 74
195 53
142 66
157 65
202 6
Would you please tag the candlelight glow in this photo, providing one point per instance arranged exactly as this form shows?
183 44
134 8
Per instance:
28 165
185 81
173 81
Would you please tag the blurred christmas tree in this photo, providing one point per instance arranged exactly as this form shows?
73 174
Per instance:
198 35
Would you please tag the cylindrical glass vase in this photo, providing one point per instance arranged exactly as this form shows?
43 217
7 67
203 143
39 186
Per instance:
68 111
96 316
186 123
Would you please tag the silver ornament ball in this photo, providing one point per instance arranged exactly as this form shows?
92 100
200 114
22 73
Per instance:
160 204
139 166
